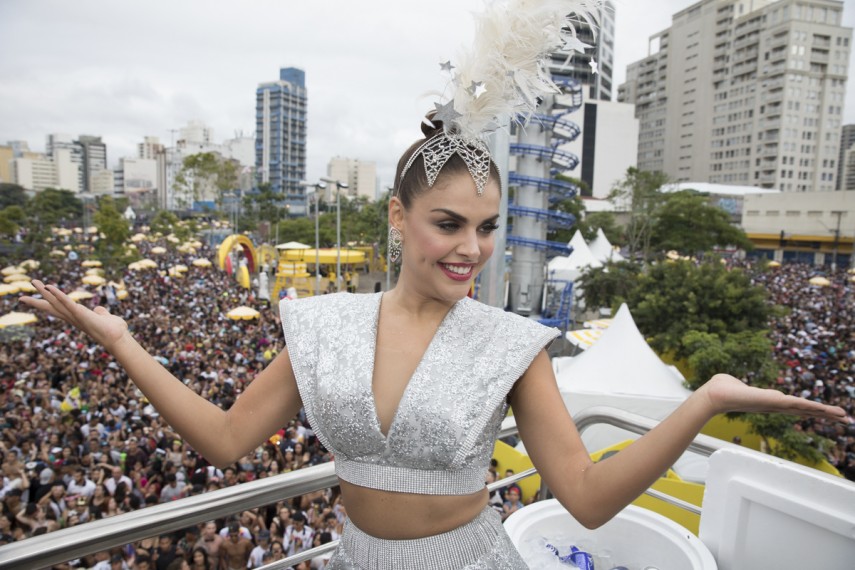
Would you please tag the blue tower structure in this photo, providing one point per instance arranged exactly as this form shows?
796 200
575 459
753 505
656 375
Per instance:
280 143
539 159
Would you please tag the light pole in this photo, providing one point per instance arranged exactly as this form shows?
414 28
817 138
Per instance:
338 187
318 186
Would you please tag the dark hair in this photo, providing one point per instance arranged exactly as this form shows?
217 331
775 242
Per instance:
415 180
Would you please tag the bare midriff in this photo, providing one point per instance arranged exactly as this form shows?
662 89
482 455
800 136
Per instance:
402 516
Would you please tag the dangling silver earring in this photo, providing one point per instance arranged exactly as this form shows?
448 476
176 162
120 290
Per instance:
396 240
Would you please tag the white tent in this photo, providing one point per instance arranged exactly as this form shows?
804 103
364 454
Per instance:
602 249
620 370
572 267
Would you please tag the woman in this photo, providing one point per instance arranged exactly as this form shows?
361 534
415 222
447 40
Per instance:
199 559
411 464
302 457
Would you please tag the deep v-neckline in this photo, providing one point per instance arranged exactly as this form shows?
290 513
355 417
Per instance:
373 350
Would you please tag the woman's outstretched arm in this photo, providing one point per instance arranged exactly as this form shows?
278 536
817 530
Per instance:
595 492
222 437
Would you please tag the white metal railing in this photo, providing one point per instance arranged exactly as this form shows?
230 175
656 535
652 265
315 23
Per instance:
75 542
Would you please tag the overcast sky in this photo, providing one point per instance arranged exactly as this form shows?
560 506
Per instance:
126 69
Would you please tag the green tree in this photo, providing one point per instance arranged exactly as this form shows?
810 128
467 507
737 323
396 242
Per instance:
687 223
605 221
164 222
15 213
51 206
609 285
205 174
110 222
263 204
8 226
639 192
746 354
12 195
790 442
672 299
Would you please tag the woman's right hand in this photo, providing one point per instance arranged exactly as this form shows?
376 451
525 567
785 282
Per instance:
100 325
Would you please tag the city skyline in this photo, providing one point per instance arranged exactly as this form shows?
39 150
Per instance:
141 70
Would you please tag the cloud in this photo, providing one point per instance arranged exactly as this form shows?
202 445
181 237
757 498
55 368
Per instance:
125 70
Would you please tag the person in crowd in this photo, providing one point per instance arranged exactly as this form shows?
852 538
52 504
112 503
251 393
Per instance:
235 550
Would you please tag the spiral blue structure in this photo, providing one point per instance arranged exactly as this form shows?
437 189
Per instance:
539 160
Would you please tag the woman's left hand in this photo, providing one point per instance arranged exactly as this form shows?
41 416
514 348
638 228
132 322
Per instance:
728 394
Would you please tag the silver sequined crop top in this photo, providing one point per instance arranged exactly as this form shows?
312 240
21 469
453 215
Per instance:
442 435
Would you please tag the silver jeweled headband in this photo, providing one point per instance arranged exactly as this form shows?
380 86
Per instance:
438 150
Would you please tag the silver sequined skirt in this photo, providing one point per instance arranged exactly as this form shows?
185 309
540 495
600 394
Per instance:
481 544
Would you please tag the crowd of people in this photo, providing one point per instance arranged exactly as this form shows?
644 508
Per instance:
814 343
79 443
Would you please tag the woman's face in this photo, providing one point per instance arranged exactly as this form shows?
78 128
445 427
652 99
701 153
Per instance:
447 235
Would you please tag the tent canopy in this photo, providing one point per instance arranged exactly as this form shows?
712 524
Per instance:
602 249
572 267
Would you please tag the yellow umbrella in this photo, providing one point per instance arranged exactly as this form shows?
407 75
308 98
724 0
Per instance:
30 264
597 324
852 270
16 277
774 264
8 288
158 250
195 243
93 280
172 272
172 239
15 318
243 313
819 281
11 270
584 338
142 264
92 263
57 253
138 237
94 271
79 295
180 267
202 262
25 287
122 294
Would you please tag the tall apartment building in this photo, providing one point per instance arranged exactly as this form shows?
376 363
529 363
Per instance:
280 143
37 172
6 157
94 158
845 173
59 141
744 92
149 148
359 175
598 77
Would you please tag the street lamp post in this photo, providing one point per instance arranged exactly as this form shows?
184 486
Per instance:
338 187
318 186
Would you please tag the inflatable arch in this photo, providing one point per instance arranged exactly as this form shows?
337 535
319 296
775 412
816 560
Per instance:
223 259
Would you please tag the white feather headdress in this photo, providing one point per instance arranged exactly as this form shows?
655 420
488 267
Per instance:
504 72
501 77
